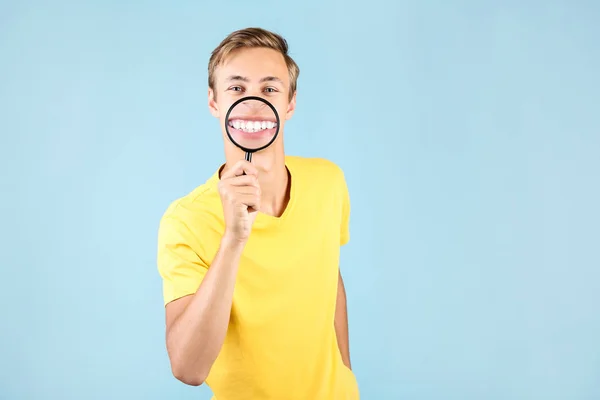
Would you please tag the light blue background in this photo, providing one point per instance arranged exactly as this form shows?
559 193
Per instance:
470 137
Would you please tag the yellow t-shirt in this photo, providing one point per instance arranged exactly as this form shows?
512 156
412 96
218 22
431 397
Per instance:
281 342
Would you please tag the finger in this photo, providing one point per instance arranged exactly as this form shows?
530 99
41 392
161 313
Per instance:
234 193
240 168
249 200
243 180
243 190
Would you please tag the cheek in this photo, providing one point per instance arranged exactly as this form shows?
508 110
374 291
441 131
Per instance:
283 110
222 123
221 108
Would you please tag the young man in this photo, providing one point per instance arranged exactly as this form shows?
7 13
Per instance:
255 303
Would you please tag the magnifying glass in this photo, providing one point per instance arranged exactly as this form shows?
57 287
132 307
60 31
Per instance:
252 124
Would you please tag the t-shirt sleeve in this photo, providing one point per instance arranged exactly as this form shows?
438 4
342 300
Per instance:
179 265
345 221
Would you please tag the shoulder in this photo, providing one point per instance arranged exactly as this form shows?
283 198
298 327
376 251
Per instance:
316 169
321 181
196 210
186 240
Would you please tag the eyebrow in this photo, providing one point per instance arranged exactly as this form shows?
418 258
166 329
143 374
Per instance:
244 79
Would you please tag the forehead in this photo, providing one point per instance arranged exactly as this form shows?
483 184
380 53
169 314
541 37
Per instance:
253 64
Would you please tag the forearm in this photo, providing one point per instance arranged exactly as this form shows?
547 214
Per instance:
195 338
341 323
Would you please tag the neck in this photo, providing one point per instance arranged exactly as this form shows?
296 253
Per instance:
274 181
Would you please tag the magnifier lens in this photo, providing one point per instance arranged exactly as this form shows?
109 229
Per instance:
252 124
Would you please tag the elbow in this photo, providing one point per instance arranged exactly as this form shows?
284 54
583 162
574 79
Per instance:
187 375
188 378
190 370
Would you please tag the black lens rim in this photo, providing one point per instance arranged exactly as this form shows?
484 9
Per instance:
247 150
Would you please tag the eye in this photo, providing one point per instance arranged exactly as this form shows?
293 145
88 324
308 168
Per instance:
270 90
236 88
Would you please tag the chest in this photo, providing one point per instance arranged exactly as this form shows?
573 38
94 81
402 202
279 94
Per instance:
292 265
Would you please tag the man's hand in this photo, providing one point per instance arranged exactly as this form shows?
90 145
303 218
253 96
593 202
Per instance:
240 196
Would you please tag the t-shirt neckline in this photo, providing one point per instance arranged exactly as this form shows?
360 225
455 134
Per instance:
264 220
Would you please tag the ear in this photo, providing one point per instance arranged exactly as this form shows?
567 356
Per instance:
212 103
291 107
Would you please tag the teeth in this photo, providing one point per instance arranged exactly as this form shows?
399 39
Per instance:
252 126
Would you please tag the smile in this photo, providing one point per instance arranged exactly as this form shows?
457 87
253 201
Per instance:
251 126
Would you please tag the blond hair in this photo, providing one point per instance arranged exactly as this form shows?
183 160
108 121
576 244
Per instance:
252 38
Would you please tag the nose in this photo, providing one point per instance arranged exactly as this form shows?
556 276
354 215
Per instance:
253 105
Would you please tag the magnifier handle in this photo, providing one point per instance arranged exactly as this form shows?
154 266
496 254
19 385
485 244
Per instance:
248 158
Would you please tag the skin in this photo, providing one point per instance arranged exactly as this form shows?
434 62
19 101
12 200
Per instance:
254 66
196 325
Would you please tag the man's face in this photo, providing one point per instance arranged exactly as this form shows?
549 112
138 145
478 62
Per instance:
252 72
